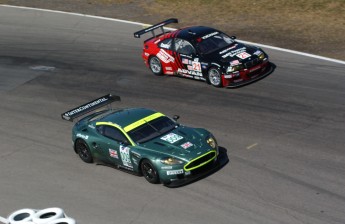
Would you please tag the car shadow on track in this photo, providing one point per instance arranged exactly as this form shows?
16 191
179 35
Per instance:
222 160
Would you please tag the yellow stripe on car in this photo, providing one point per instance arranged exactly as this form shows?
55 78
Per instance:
142 121
118 127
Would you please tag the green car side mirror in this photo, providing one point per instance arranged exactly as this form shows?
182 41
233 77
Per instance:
176 117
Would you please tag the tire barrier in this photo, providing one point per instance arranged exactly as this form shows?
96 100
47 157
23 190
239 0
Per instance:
32 216
21 216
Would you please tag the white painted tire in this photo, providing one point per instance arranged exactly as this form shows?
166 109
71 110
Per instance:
63 221
22 216
47 215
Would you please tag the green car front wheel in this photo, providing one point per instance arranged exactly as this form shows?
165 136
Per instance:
149 172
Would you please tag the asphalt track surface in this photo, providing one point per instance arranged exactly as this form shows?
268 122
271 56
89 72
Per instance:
284 135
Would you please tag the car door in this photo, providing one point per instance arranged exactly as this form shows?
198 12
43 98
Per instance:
116 146
187 59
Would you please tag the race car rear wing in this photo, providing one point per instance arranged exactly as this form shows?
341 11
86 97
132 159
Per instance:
155 27
88 107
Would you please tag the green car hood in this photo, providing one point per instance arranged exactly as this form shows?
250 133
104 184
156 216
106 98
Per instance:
182 142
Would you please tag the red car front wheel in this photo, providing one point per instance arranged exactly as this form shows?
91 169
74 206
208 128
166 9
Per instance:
214 77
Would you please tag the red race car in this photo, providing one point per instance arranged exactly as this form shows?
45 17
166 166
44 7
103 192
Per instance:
203 53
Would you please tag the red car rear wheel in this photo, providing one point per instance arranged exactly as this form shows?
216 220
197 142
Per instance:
155 65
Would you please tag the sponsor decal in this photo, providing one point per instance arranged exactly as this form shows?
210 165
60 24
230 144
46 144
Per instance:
165 57
199 78
235 62
189 67
113 153
91 126
228 76
209 35
204 65
228 49
196 66
157 41
168 68
146 54
169 73
126 167
196 59
187 76
82 136
85 107
154 27
166 167
258 52
167 46
236 74
243 55
171 138
188 72
187 56
234 52
124 153
174 172
186 145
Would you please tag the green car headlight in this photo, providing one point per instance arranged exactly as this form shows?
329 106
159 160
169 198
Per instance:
212 142
171 161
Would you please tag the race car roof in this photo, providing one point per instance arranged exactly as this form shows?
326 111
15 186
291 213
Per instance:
194 32
126 117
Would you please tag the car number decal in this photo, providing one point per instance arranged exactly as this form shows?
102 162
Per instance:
171 138
196 66
124 152
243 55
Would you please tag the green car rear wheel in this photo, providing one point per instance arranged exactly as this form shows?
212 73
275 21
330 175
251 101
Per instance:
83 151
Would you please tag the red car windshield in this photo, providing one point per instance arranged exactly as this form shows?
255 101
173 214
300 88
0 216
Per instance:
213 42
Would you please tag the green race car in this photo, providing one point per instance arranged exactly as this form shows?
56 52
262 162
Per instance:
142 141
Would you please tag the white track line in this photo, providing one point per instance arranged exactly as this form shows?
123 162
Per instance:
143 24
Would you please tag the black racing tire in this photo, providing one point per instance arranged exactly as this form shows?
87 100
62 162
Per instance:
155 66
149 172
214 77
83 151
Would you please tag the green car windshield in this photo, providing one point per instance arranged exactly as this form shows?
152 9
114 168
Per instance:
152 129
